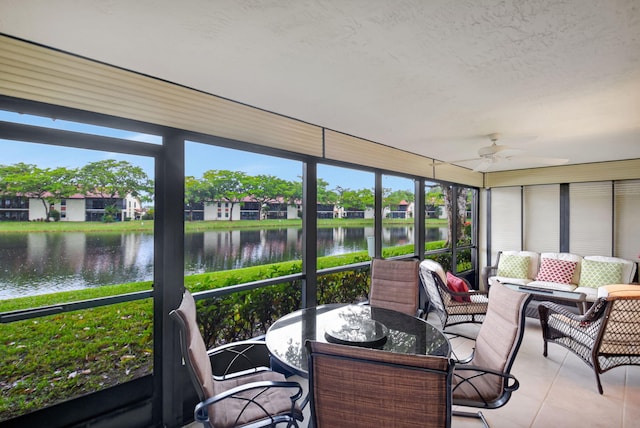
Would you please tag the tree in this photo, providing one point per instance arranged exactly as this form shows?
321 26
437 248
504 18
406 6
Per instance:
46 184
325 196
434 199
225 185
461 218
357 199
394 198
111 179
194 193
267 188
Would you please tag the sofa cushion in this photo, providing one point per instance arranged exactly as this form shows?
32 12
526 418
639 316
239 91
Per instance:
595 273
534 261
552 285
513 266
591 293
457 285
493 280
555 270
569 257
628 266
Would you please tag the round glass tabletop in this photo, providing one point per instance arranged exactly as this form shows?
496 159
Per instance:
359 325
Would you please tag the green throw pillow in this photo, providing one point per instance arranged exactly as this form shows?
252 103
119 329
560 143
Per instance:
595 274
512 266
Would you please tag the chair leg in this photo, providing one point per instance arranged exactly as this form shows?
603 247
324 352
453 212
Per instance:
599 383
477 415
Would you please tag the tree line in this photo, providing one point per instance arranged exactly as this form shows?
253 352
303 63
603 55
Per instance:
232 187
108 179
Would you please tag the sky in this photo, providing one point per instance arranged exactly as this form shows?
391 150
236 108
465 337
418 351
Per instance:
198 157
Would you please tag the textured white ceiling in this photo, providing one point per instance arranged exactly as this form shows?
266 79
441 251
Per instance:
557 78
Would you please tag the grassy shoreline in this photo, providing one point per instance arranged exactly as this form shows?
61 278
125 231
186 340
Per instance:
190 226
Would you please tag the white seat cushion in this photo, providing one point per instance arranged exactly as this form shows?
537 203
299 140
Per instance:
552 285
591 293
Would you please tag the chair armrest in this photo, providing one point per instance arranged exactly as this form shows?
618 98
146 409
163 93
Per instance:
239 358
201 413
455 358
482 371
595 312
469 293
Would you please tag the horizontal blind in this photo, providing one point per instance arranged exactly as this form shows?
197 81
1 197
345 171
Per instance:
36 73
457 174
346 148
627 220
591 217
506 223
614 170
542 218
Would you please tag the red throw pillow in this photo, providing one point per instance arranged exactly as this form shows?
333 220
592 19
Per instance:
459 286
554 270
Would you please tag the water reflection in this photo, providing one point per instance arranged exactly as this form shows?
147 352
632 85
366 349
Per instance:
38 263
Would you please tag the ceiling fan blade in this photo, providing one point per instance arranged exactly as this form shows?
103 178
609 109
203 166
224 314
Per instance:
483 166
464 160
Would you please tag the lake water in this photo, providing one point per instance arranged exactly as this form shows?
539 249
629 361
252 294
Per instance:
39 263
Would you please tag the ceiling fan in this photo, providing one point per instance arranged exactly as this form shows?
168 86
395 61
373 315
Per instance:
498 153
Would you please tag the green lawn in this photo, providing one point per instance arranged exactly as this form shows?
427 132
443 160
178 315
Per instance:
190 226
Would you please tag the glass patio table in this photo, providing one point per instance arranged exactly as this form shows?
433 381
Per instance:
356 325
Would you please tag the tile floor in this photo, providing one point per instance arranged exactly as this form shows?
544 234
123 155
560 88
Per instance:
559 390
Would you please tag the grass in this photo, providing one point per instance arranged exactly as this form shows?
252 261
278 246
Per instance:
58 357
194 226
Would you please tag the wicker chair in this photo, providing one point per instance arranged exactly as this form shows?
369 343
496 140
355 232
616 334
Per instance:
607 336
361 387
233 391
443 302
486 381
394 285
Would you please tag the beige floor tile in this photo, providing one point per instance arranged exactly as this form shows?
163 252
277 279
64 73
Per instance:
559 390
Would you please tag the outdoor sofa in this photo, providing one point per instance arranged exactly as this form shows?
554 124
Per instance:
560 271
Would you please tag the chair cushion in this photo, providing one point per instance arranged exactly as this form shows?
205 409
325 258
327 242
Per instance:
596 274
513 266
619 290
555 270
457 285
394 285
275 400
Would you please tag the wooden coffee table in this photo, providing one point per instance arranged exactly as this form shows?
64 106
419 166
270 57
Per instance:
579 299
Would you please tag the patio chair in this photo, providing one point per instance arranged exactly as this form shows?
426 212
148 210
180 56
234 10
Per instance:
356 387
606 336
233 390
486 381
394 285
451 307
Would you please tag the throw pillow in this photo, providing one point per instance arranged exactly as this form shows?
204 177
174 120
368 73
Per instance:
595 274
513 266
457 285
554 270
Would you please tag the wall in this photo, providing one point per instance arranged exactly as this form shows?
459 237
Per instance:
586 218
